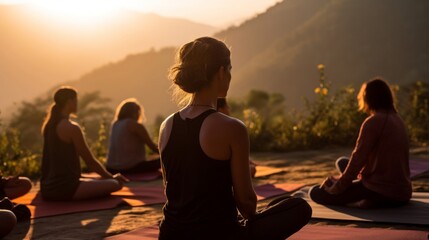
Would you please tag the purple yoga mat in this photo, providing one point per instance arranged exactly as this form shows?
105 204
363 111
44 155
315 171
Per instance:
419 167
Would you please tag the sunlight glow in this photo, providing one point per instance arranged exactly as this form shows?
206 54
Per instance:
78 12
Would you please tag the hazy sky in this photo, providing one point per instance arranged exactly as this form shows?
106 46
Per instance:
214 12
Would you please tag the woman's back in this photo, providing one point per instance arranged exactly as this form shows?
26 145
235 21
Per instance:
198 187
387 170
60 166
126 148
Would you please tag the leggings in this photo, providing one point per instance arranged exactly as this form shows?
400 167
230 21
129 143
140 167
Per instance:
357 192
281 218
142 167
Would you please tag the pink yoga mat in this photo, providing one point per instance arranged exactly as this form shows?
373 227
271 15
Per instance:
271 190
419 167
138 177
133 196
307 232
41 208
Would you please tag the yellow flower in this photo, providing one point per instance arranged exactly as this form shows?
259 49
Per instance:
320 66
324 91
317 90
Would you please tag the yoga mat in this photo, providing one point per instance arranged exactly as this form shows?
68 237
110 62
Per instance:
415 212
141 195
263 171
307 232
41 208
138 177
271 190
419 167
133 196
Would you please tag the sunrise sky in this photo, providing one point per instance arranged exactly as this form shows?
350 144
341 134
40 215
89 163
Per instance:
218 13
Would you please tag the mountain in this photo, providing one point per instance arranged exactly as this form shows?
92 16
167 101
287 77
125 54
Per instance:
143 76
356 40
37 53
279 50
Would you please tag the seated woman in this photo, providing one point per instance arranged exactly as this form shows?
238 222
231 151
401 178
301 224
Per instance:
223 107
128 138
63 144
379 160
205 160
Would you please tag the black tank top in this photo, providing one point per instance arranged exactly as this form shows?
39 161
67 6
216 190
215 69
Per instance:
60 168
198 188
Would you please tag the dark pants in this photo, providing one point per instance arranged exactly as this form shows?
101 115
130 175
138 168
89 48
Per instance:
281 218
142 167
356 193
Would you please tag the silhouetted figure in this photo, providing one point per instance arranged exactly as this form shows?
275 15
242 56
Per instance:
377 173
205 160
64 142
128 138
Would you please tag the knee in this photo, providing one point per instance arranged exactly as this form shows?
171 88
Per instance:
304 209
314 193
25 184
7 222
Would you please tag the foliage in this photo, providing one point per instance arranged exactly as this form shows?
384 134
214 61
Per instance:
332 118
416 112
13 159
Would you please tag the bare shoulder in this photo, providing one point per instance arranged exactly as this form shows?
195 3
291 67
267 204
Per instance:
167 123
68 129
230 124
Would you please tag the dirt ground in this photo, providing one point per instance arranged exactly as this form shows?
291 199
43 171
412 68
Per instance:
308 167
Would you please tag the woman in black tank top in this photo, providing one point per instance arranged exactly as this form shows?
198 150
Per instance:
205 160
62 146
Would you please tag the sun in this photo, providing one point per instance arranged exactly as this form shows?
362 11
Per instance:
78 12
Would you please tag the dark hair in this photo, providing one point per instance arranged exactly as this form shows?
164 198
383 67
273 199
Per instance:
197 62
53 116
127 109
376 95
221 103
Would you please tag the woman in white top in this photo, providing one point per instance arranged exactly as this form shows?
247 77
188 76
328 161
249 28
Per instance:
128 140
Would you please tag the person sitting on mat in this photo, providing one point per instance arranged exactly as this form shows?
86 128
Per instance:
63 143
377 173
14 186
205 160
223 107
128 138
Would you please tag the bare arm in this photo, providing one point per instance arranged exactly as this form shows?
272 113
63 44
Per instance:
141 131
364 145
83 150
164 133
244 194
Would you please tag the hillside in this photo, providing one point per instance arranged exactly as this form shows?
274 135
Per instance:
143 76
356 40
38 53
279 50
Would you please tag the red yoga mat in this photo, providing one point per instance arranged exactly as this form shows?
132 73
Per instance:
271 190
419 167
307 232
132 195
137 177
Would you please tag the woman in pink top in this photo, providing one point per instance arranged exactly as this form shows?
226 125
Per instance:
128 141
377 173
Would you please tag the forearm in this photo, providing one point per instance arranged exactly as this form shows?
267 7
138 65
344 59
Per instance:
248 208
97 167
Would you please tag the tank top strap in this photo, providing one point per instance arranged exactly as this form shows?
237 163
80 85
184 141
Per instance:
198 119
